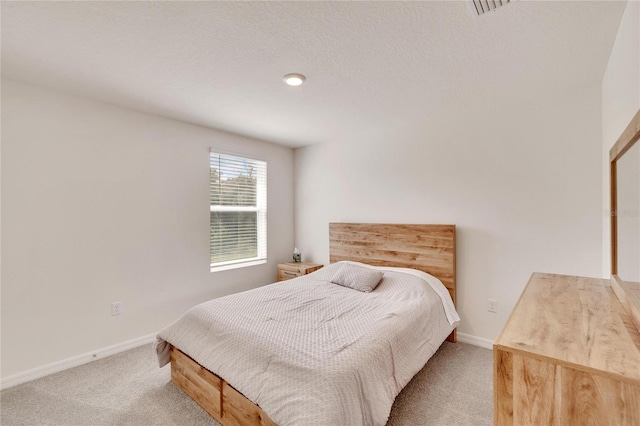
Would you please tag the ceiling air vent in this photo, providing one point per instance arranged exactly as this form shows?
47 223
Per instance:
483 6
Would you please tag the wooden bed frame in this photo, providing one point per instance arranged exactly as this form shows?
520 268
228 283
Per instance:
429 248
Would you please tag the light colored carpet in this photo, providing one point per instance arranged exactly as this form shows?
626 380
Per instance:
454 388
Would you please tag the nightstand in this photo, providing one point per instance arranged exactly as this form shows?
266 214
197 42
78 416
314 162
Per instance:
289 270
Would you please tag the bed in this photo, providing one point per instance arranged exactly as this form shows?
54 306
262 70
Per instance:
308 351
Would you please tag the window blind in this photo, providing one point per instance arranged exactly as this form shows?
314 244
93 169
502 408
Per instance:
238 208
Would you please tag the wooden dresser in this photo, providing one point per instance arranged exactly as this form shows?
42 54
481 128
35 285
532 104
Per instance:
568 355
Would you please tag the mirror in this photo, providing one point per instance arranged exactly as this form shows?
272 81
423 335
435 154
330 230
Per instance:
628 215
625 219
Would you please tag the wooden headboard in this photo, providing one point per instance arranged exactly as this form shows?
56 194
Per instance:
428 248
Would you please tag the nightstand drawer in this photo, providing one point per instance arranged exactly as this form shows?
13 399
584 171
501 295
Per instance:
286 274
289 270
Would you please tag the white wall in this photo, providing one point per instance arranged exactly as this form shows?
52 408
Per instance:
522 184
103 204
620 102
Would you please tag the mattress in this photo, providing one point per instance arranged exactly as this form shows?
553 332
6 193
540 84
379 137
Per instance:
309 351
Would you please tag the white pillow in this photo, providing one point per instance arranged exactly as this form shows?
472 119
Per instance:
357 277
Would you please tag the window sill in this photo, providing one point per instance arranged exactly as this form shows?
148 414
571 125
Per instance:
237 265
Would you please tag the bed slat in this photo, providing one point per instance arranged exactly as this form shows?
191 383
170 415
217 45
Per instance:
201 385
239 411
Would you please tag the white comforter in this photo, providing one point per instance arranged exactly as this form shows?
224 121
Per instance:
310 352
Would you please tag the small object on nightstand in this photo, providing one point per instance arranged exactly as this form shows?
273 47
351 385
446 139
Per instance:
289 270
296 255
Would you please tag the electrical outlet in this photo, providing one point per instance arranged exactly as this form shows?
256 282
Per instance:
493 305
116 308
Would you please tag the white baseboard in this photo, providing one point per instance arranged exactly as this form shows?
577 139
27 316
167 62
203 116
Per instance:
475 340
45 370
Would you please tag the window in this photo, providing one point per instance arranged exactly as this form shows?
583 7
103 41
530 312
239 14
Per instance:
238 211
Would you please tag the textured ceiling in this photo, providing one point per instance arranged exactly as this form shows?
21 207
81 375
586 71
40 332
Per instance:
371 67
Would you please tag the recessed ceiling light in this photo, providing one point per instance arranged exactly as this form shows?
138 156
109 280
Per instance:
294 79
